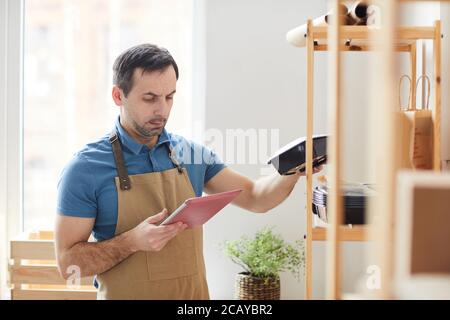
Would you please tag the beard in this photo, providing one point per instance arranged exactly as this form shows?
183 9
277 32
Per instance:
147 131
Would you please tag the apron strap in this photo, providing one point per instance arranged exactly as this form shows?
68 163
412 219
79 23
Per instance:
124 179
174 159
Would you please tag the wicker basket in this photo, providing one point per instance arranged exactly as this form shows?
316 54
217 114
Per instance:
252 288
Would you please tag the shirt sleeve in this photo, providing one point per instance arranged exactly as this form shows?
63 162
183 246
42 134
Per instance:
213 163
76 194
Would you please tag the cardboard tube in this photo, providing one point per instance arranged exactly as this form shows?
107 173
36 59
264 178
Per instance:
359 10
359 13
297 36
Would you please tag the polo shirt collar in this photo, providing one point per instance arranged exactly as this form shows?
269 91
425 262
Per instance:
135 146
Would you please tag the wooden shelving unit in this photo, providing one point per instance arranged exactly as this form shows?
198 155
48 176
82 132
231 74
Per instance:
387 39
355 233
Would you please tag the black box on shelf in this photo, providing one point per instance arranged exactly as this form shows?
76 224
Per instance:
291 157
356 197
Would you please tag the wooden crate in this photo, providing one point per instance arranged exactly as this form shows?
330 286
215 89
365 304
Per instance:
34 274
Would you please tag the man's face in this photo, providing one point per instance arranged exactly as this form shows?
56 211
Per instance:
147 107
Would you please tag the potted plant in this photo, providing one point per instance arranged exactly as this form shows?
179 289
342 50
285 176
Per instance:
263 257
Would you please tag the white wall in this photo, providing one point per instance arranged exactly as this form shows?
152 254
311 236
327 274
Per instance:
255 79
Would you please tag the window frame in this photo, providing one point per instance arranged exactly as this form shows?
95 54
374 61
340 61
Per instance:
12 24
11 128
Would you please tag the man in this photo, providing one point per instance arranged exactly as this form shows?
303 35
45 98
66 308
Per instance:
120 187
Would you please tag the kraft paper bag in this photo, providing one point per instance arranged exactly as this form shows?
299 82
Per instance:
416 137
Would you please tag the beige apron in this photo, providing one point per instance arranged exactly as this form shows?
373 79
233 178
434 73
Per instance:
175 272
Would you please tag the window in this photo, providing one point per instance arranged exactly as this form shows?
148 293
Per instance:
69 49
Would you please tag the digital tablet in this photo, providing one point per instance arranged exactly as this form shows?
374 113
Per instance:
196 211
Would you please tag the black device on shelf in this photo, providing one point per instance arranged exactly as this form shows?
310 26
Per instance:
355 202
291 158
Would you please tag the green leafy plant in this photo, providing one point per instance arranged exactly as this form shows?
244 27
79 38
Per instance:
267 254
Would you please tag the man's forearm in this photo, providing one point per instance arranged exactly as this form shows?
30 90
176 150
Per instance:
96 257
270 191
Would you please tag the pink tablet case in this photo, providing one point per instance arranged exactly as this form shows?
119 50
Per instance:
196 211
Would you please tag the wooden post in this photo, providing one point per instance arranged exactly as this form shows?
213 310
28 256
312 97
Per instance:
437 98
385 141
309 154
334 148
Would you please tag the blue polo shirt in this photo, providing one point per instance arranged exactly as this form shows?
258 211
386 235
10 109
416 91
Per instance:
86 187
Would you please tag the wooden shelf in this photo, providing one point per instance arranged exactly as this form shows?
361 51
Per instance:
355 233
356 46
361 37
367 32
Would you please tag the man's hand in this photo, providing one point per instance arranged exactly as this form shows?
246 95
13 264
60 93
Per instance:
148 236
315 170
73 248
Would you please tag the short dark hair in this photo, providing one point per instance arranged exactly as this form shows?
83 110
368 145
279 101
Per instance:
147 57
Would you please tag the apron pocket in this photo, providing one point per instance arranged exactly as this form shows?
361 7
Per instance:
177 259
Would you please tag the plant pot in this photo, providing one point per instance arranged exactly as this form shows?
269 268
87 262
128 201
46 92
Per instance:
252 288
